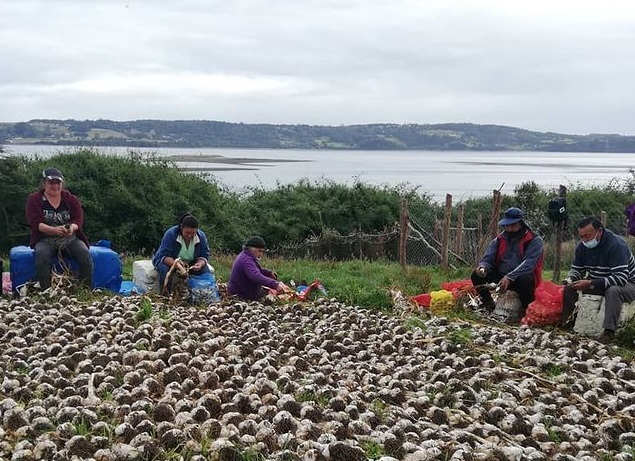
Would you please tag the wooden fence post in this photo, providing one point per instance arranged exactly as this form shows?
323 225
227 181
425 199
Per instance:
603 218
458 249
479 235
492 228
403 236
445 245
558 237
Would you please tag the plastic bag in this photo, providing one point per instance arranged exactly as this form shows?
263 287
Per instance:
128 288
629 211
546 309
203 288
6 283
303 291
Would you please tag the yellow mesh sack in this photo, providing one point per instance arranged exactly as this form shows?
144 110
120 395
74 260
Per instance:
441 301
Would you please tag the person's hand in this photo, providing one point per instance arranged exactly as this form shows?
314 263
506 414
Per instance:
584 284
61 231
197 266
504 283
282 288
481 271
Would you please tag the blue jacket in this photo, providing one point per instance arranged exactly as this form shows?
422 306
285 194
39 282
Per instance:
609 263
247 277
518 260
170 247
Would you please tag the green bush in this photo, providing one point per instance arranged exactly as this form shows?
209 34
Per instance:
132 199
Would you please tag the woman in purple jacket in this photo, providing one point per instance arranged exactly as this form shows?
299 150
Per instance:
55 217
247 278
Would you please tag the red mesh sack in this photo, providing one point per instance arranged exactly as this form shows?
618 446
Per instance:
546 309
422 300
457 286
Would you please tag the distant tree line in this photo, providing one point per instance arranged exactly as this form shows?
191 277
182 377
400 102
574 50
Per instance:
202 133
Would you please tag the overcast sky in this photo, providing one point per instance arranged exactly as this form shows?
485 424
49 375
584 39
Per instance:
560 65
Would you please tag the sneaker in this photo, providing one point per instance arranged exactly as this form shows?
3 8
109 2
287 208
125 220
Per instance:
607 337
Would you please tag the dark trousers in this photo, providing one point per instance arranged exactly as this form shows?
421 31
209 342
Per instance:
524 286
76 250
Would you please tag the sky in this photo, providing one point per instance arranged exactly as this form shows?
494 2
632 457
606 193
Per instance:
565 66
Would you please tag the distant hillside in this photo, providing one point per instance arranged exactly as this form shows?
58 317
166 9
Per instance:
201 133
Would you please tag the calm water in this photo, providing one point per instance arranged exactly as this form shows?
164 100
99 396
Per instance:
462 174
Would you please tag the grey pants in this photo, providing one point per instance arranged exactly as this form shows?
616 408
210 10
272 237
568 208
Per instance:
76 249
614 297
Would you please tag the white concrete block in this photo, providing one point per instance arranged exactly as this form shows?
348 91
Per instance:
145 276
590 316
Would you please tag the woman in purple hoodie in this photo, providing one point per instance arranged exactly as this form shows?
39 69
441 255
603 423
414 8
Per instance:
247 278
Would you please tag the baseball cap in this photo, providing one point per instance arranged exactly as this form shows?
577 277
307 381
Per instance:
52 173
512 216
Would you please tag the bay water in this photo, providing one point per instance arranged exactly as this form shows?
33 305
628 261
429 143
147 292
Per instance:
437 173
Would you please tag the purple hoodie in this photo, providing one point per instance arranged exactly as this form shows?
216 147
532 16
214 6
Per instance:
247 277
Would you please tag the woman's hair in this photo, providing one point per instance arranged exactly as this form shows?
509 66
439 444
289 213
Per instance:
188 220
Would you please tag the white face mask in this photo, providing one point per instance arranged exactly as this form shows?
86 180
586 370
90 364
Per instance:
590 244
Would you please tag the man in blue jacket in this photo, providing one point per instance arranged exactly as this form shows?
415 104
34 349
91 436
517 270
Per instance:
603 265
247 278
513 260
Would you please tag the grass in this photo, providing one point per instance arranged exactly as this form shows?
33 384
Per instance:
551 433
307 396
461 337
145 310
372 449
380 408
358 282
554 370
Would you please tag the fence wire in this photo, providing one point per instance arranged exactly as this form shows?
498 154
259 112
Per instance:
470 228
334 246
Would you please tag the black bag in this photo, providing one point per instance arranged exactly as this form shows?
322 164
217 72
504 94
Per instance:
557 211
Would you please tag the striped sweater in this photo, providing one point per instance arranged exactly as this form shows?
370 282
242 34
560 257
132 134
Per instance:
611 262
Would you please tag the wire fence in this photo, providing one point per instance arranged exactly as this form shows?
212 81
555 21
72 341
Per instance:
334 246
459 234
456 235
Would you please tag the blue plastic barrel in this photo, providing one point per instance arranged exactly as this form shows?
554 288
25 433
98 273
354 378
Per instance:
107 267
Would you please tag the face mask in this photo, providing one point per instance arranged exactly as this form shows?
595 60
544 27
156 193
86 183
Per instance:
591 243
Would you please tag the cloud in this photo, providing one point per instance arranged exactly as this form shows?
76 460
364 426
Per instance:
552 66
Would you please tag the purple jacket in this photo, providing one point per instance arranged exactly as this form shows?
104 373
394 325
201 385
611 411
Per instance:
247 277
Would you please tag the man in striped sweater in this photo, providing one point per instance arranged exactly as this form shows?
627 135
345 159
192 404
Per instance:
603 265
